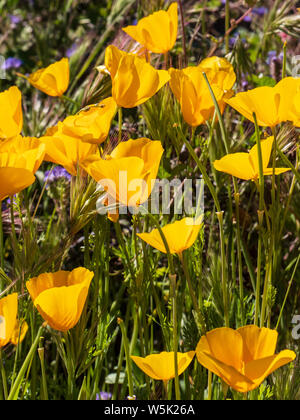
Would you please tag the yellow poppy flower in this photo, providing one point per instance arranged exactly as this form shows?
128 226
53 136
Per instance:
24 152
161 366
179 235
19 160
64 150
192 92
271 105
9 324
246 165
219 73
243 358
11 116
148 31
19 332
52 80
91 125
134 81
60 297
128 173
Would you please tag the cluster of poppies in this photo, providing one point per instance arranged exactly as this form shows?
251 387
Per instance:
242 358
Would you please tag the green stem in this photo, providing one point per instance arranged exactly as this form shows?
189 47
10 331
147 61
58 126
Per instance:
224 271
203 172
218 111
14 392
260 220
240 268
200 317
3 374
127 355
41 352
284 61
175 332
123 247
287 292
66 98
209 387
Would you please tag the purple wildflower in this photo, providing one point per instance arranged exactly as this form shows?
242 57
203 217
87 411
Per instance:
104 396
12 63
260 11
273 56
57 173
14 19
71 51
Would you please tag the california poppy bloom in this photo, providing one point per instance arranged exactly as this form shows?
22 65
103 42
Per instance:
219 72
60 297
134 81
148 31
93 124
271 105
161 366
191 90
246 165
179 235
128 173
26 152
18 164
9 324
11 116
67 151
52 80
243 358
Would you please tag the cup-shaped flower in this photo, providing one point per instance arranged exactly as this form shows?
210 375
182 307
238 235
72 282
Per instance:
134 81
11 116
179 235
190 89
148 31
243 358
9 324
25 151
19 160
67 151
219 72
60 297
161 366
91 125
128 174
271 105
52 80
246 165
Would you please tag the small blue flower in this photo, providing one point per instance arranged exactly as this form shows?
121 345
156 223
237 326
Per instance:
57 173
14 19
71 51
104 396
12 63
273 56
260 11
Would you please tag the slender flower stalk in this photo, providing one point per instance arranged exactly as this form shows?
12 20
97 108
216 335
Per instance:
287 292
199 314
41 352
260 220
15 389
127 355
3 375
224 275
